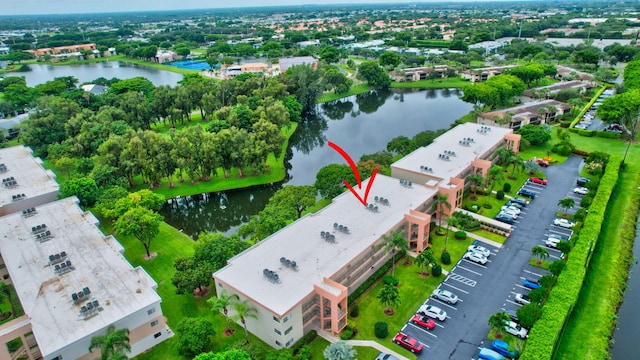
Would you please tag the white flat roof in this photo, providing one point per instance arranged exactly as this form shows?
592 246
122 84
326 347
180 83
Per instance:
428 156
33 179
98 264
315 257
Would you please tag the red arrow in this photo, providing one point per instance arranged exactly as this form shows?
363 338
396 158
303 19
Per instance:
354 168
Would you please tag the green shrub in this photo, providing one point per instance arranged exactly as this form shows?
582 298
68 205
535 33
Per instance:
390 280
608 135
506 187
500 195
573 130
587 133
373 278
381 329
585 202
474 208
460 235
580 152
440 231
487 206
565 124
347 333
354 311
436 270
445 258
306 339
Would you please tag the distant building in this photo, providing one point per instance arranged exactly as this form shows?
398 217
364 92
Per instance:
483 74
536 112
314 42
94 89
163 56
63 50
567 73
286 63
421 73
552 89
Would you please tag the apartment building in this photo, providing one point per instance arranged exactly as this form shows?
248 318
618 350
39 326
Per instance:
534 112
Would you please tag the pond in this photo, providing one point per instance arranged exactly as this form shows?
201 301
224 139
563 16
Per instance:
41 73
360 124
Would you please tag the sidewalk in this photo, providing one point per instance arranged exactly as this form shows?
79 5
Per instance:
368 343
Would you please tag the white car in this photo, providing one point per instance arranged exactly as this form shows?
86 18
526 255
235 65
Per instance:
522 299
433 312
581 190
563 223
480 250
516 330
511 208
552 242
475 257
510 214
445 295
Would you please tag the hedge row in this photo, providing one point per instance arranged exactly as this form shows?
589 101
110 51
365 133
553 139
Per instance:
598 133
306 339
373 278
586 108
546 332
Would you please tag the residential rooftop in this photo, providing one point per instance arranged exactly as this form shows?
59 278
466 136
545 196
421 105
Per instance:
316 258
97 263
31 178
442 168
526 110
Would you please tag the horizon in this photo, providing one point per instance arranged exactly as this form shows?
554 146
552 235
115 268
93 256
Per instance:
51 7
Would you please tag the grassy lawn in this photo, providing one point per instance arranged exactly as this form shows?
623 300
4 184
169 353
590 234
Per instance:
319 205
491 236
454 82
362 352
354 90
542 264
456 247
482 199
414 290
465 119
220 183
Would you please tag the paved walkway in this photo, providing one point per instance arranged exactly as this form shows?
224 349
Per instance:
325 335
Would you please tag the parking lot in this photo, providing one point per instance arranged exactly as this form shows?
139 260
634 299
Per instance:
486 289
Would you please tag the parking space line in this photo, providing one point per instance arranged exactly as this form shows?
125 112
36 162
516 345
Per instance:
451 286
532 273
422 329
461 279
469 270
522 287
513 302
471 262
445 304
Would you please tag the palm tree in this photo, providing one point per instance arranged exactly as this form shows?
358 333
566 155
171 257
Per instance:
244 310
539 252
425 259
495 174
393 242
222 302
566 204
114 345
475 181
339 350
389 297
440 203
498 321
504 155
517 162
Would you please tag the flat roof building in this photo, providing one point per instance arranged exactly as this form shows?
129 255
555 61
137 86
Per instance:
535 113
286 63
25 182
298 279
73 282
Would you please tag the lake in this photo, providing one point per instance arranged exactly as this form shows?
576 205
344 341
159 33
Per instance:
360 124
41 73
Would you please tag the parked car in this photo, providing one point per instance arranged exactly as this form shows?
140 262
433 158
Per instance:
512 314
475 257
510 214
505 219
520 201
530 284
582 181
488 354
581 125
514 204
511 208
502 348
516 330
541 162
522 299
552 242
408 343
480 250
445 295
527 193
383 356
563 223
433 312
581 190
423 321
538 180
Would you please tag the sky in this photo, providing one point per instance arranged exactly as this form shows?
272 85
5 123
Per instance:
32 7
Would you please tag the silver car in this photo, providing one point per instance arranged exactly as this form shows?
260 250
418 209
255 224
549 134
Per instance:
445 295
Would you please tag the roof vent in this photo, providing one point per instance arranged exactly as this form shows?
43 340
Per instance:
289 263
272 276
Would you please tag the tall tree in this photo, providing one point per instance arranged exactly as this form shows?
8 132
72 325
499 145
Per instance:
193 336
539 252
495 174
113 345
475 181
441 203
425 259
373 74
244 310
297 197
389 297
566 204
395 241
223 302
498 321
143 224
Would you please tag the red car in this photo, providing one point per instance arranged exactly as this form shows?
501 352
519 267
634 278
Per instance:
541 162
423 321
538 181
408 343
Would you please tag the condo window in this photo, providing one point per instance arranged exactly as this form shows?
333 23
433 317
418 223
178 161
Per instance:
277 331
154 323
276 319
151 311
286 318
278 343
286 332
289 343
157 335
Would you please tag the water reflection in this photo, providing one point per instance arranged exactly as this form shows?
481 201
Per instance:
375 118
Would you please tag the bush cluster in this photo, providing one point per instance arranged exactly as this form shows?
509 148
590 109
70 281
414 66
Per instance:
390 280
544 336
306 339
373 278
608 135
436 270
506 187
445 258
499 194
381 329
460 235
